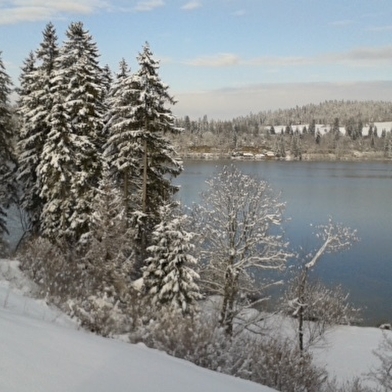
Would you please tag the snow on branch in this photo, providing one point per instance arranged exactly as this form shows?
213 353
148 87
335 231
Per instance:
335 237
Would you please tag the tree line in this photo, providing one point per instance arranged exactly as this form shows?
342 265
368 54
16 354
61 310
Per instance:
326 113
332 127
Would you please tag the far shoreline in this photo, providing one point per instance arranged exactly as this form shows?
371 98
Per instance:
356 156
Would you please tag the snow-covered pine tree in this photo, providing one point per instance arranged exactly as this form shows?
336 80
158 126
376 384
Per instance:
56 170
34 106
121 149
107 78
71 165
169 277
7 159
103 305
152 119
108 244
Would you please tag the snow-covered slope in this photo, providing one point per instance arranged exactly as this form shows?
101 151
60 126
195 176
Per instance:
348 352
42 351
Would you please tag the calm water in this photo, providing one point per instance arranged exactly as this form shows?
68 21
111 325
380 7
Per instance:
355 194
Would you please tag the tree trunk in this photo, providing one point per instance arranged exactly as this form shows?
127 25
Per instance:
143 234
145 162
301 300
300 328
126 193
230 290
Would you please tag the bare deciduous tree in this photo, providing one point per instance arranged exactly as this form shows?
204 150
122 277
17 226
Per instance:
305 300
239 223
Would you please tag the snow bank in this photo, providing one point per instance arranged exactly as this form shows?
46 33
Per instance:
43 352
348 352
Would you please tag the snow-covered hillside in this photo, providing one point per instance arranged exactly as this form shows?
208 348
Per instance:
43 350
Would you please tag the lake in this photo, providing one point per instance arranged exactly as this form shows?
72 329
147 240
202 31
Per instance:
356 194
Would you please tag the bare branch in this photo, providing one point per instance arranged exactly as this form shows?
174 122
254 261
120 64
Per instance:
239 226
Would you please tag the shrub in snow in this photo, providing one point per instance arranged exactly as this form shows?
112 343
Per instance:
199 340
101 299
189 338
275 362
54 269
323 307
103 315
355 385
383 373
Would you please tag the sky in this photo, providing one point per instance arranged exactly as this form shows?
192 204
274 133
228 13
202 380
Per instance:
226 58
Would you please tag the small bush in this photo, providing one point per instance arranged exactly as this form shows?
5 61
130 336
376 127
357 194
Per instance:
278 364
53 269
101 299
383 373
354 385
269 361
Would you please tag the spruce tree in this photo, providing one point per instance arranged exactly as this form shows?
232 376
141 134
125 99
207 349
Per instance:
7 159
121 148
152 120
107 79
169 278
56 170
108 245
71 165
35 105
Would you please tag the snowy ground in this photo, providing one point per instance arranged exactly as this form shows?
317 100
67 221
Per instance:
43 350
349 352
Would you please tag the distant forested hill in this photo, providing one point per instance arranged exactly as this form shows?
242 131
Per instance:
326 112
322 113
340 128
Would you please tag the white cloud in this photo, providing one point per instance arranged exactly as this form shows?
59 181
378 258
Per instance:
342 23
148 5
275 61
16 11
192 5
219 60
380 28
358 57
239 13
365 56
